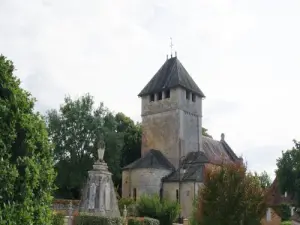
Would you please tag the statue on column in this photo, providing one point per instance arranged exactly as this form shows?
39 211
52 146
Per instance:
99 197
101 149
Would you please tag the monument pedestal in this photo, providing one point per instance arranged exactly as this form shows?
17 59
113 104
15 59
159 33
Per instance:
99 197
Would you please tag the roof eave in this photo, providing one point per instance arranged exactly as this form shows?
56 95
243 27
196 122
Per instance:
200 94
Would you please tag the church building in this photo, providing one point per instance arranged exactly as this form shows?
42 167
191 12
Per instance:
174 152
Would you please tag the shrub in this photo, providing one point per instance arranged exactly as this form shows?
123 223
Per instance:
285 212
134 221
130 205
151 221
142 221
163 210
58 219
286 223
97 220
230 194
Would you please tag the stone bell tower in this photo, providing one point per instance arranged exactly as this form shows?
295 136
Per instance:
172 112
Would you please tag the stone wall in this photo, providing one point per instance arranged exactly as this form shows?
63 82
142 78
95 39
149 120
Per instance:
187 193
161 132
190 132
145 181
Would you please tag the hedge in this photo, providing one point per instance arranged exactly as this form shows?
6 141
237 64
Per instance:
58 219
97 220
143 221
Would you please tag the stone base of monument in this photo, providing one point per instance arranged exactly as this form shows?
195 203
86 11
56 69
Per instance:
99 197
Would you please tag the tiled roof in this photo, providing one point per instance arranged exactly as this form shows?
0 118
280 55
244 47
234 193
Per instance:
172 74
214 151
153 159
193 166
218 151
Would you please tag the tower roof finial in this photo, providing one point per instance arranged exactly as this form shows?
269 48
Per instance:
171 46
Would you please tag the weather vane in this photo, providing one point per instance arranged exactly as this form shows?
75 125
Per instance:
171 46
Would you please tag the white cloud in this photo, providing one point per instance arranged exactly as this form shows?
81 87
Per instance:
243 54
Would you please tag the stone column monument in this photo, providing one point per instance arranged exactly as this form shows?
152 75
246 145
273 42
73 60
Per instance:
99 197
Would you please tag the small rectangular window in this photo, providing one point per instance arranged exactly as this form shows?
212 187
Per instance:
159 96
193 97
134 194
177 195
152 98
187 95
167 94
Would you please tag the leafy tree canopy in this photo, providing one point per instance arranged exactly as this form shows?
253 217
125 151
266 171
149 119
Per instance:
76 128
264 179
288 172
205 132
26 159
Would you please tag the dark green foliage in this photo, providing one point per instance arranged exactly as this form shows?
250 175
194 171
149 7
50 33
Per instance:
97 220
163 210
205 133
151 221
264 179
231 196
134 221
285 212
58 219
143 221
130 206
26 159
132 138
74 131
288 172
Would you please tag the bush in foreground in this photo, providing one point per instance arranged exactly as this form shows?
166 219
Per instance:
97 220
161 209
143 221
286 223
230 196
58 219
130 206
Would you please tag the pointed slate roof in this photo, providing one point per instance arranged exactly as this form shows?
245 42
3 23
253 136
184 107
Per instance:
153 159
172 74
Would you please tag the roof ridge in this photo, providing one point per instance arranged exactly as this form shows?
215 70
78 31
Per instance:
229 150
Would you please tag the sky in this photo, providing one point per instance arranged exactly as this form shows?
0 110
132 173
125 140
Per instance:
243 54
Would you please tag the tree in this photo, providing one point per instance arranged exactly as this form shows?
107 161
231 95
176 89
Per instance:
205 133
26 159
74 131
230 196
132 138
288 172
264 179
